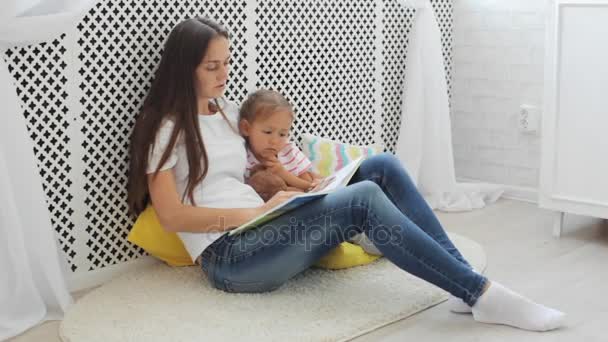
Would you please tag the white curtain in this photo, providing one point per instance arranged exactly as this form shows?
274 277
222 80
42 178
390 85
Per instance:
33 272
425 139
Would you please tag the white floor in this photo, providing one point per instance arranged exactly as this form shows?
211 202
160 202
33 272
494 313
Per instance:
569 274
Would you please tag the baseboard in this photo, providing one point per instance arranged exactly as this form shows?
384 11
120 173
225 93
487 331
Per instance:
520 193
87 280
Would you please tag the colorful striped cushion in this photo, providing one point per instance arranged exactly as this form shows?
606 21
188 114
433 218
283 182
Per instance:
328 156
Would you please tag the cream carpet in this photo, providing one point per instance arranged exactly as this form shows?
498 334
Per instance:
160 303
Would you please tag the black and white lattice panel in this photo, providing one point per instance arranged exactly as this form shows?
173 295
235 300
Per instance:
398 22
320 55
395 38
39 72
444 10
119 46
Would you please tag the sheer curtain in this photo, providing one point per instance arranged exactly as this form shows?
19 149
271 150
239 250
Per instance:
33 286
425 139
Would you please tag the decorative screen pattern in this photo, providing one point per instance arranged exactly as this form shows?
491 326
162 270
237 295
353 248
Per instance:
397 26
40 76
444 9
320 54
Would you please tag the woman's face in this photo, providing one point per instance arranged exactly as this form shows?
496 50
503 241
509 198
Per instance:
212 72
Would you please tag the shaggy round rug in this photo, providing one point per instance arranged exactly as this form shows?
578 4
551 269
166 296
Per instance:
162 303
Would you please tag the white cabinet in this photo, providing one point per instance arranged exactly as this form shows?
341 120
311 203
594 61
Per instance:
574 163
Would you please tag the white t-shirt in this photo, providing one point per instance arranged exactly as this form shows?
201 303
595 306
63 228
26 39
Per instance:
223 186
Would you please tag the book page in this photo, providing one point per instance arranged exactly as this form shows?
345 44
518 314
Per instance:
339 178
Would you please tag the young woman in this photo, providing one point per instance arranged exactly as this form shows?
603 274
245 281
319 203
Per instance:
188 159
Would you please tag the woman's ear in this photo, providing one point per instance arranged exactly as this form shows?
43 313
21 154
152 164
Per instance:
244 127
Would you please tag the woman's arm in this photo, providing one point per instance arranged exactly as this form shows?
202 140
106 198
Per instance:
174 216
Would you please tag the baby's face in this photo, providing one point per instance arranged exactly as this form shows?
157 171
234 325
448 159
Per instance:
267 136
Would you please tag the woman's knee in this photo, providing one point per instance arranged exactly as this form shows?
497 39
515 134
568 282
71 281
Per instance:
391 161
391 166
366 191
368 195
384 158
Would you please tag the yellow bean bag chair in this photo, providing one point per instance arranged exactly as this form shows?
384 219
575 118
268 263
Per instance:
344 256
148 234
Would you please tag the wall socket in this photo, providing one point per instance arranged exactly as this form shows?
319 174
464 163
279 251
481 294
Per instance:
528 119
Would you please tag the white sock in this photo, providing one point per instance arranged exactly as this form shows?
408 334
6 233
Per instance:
458 305
499 305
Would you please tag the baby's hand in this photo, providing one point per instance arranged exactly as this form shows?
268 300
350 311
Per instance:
274 166
315 182
270 155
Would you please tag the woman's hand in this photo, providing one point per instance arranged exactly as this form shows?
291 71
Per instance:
278 199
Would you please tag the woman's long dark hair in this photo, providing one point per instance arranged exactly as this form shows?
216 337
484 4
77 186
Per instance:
172 95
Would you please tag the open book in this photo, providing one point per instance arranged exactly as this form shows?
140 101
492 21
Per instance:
330 184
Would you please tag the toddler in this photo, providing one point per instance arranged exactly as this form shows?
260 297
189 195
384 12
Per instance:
273 162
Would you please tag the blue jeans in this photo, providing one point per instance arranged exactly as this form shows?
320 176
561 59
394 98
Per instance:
382 201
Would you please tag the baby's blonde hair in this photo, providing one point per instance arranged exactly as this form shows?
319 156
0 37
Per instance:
263 103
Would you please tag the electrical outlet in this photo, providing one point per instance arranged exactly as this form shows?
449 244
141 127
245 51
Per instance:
528 119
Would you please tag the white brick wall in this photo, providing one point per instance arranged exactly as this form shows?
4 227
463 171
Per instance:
498 65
